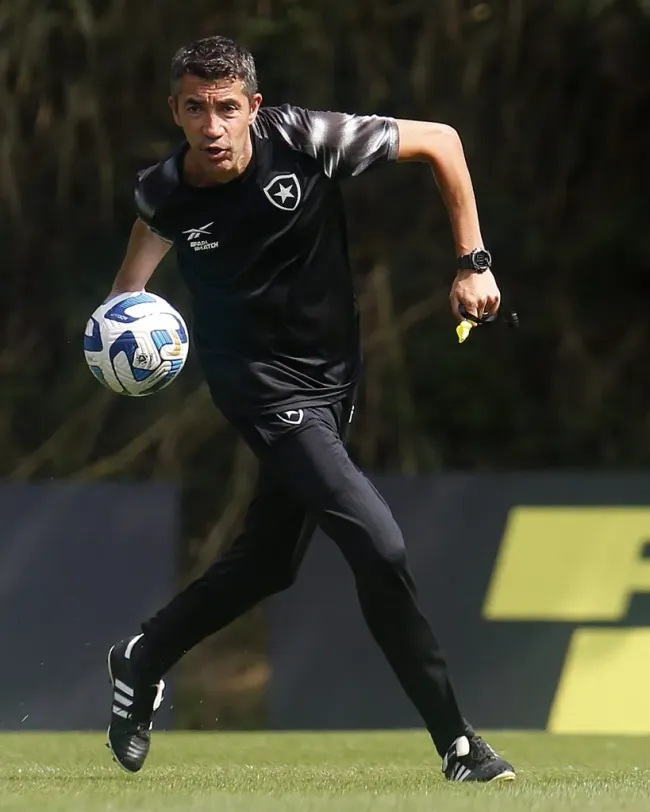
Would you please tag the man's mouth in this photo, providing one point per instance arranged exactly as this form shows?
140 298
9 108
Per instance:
215 153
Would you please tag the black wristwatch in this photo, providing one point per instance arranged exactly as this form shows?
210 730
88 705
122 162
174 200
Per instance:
478 260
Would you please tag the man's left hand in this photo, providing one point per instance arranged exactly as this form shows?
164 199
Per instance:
477 292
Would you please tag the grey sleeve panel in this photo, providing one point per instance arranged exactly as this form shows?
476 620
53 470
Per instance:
345 145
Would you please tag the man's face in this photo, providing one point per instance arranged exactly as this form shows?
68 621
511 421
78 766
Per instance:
215 115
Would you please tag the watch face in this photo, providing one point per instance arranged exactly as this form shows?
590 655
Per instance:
482 260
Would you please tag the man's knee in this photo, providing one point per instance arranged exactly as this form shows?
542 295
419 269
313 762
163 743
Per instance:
278 580
377 548
388 556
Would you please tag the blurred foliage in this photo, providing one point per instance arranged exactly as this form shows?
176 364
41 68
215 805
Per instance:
552 101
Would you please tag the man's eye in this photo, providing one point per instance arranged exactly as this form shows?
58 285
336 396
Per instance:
193 108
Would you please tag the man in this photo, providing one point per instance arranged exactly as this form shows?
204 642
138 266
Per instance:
251 202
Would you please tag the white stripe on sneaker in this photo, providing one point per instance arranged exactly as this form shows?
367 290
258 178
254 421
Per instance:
122 686
460 773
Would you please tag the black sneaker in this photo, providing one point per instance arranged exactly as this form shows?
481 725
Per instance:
133 708
471 759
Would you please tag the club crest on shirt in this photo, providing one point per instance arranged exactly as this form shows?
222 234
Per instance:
284 192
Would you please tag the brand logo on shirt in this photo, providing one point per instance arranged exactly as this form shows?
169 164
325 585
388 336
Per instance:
284 192
293 417
195 235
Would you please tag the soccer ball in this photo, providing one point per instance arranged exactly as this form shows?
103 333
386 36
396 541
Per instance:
136 343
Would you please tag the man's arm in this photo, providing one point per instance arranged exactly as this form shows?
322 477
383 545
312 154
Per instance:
144 253
440 146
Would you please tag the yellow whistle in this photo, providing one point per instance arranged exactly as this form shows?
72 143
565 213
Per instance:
463 330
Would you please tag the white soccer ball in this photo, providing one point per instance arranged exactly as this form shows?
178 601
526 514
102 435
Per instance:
136 343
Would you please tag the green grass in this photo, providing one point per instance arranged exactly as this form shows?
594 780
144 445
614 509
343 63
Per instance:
359 772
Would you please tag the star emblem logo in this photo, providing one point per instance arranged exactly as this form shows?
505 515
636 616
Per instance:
284 192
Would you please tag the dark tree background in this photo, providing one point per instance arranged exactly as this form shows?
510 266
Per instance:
552 101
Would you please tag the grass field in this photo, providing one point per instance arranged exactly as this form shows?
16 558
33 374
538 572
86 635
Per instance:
359 772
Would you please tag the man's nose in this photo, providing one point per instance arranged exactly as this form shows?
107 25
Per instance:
213 127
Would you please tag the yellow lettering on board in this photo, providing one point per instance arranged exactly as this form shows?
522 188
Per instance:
604 684
569 564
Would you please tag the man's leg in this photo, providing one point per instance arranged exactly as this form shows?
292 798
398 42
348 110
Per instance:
263 560
313 464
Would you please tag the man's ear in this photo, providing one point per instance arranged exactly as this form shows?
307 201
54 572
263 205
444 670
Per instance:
256 102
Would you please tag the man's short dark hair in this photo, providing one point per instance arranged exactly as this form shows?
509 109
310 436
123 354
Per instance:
214 58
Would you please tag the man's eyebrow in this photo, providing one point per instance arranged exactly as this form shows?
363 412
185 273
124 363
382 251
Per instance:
197 100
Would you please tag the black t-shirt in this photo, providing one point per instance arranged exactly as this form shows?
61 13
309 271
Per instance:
275 319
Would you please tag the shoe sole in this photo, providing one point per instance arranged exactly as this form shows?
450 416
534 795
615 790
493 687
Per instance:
508 775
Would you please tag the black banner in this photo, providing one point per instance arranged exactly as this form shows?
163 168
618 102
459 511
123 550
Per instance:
80 566
537 584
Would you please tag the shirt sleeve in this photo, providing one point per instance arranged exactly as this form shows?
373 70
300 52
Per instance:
345 145
147 193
